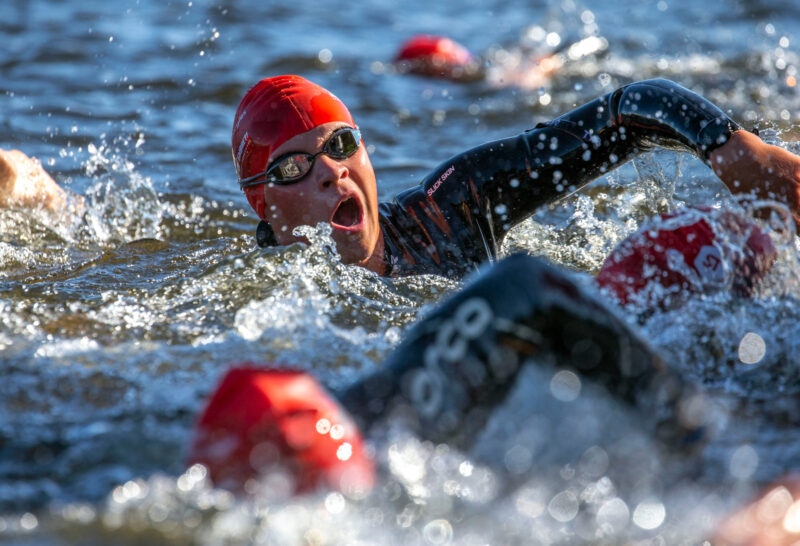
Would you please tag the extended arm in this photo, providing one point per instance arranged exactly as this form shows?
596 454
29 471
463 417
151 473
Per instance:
463 359
509 179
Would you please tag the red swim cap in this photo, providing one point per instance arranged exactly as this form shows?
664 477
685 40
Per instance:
271 112
259 418
433 55
683 253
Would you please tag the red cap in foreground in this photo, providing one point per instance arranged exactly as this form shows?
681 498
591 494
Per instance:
260 419
682 253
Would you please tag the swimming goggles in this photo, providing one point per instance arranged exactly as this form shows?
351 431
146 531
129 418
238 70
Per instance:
291 168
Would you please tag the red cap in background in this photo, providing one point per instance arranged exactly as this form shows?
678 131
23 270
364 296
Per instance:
432 55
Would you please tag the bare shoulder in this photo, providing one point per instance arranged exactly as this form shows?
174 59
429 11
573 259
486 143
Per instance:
25 183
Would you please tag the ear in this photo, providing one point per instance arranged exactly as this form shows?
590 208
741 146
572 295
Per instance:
265 236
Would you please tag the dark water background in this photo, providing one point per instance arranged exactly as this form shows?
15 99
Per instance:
116 324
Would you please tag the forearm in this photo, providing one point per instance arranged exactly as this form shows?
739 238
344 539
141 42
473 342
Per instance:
747 165
610 130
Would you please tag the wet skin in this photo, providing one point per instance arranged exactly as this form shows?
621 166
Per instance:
341 192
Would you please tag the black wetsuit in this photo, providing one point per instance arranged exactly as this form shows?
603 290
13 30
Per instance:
457 217
461 361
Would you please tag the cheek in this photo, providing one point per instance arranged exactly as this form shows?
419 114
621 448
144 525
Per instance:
366 177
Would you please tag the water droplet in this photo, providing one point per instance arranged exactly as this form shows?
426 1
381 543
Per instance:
744 462
323 426
337 432
438 531
563 507
28 521
649 514
752 348
565 386
334 503
344 451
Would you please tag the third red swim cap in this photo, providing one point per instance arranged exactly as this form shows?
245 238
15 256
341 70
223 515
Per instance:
273 111
260 419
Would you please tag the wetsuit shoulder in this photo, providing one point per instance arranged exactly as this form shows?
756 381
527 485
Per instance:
420 237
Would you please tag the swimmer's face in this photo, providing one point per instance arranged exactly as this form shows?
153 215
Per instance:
342 192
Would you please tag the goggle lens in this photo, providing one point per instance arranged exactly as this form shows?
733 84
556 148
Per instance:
292 168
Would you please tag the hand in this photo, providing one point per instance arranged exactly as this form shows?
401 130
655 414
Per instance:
25 183
747 165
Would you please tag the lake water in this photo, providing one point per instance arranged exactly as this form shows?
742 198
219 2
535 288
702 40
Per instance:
116 324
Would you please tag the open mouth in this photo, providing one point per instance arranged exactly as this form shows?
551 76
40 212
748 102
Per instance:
348 214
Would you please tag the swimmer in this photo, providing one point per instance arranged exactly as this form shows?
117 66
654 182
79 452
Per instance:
439 57
24 183
301 160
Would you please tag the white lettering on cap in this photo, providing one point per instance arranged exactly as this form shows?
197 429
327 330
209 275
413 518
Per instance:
709 264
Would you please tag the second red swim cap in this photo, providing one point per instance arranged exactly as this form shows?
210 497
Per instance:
686 252
271 112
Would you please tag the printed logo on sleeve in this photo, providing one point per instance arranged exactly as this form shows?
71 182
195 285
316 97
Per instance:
441 179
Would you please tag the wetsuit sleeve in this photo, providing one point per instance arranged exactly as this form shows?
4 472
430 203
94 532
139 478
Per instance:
505 181
462 360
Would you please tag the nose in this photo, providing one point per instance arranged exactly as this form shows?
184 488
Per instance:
330 171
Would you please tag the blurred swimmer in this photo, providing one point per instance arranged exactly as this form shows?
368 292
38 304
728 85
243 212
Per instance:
529 65
25 183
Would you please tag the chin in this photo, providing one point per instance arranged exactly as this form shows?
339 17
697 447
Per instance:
352 250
